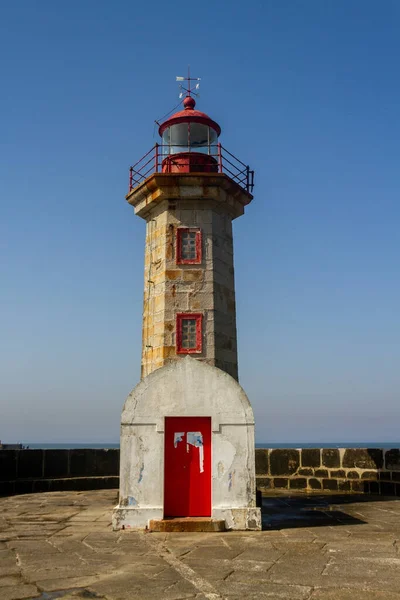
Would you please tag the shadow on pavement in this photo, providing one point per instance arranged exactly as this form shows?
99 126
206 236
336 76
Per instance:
288 512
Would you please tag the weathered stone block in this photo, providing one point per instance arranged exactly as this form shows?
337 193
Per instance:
311 457
264 483
261 461
314 484
363 458
69 485
103 483
321 473
29 464
23 486
168 352
298 483
338 474
353 475
41 485
392 459
280 482
388 488
173 274
192 275
374 487
369 475
305 472
330 484
365 486
82 462
55 463
343 485
83 483
8 464
7 488
330 458
107 461
359 486
284 461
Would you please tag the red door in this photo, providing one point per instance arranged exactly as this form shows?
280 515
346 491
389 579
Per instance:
187 470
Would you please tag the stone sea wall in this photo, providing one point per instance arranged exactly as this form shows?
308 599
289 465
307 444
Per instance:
27 471
346 470
323 470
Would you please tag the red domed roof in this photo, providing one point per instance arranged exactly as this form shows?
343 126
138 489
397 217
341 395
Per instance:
189 115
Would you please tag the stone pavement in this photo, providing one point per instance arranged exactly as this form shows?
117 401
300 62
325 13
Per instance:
60 545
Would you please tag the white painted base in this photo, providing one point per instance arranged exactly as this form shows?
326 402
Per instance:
239 518
129 517
187 388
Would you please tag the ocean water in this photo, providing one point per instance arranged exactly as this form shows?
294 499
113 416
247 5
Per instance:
386 445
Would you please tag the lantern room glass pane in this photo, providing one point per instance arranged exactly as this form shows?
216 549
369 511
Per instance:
179 138
190 137
199 136
166 141
203 138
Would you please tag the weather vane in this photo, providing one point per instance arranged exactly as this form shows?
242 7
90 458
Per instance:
189 89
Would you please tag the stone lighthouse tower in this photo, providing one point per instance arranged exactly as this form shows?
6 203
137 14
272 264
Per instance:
187 429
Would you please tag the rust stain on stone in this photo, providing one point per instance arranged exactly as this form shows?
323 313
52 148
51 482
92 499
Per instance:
172 274
168 351
170 241
192 275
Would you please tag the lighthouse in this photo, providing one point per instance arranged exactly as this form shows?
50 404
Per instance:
187 428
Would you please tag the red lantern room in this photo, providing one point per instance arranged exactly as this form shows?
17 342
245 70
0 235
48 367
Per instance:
189 141
190 144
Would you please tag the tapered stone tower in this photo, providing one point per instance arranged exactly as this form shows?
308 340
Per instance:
187 429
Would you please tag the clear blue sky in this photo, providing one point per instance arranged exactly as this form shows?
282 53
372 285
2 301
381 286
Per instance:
308 93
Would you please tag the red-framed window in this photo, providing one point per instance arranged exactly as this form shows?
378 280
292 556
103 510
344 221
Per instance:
189 329
188 246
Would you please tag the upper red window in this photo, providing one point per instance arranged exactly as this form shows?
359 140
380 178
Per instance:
189 333
188 246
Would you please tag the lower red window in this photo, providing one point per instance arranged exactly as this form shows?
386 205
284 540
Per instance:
189 333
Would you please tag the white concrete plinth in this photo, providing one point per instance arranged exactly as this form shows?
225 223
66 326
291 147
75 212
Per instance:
129 517
239 518
187 388
139 518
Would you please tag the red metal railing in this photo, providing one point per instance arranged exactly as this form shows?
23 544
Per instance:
189 160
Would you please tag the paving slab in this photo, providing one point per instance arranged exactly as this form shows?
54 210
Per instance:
60 545
343 594
18 592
